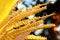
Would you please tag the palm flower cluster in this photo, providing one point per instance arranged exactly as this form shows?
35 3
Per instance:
33 37
13 24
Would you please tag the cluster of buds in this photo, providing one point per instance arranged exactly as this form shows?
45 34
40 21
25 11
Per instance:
11 26
33 37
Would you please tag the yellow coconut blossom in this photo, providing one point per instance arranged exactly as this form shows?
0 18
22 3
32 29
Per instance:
9 21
